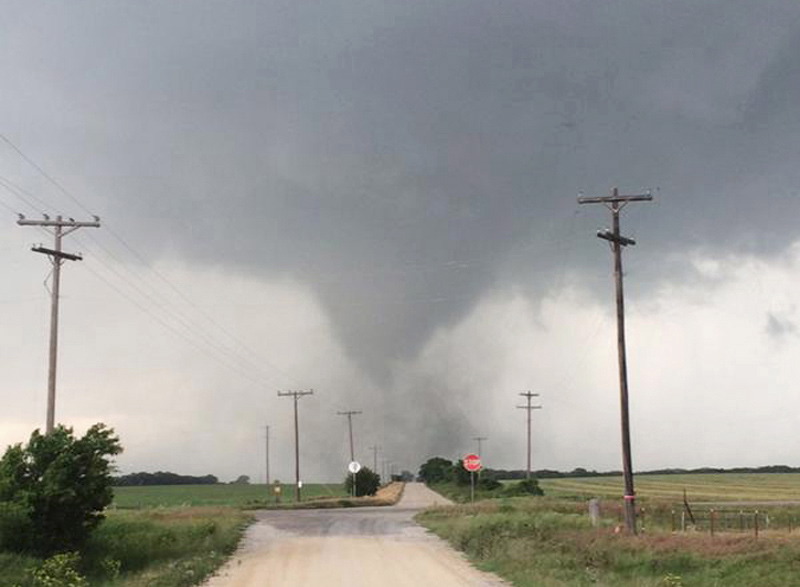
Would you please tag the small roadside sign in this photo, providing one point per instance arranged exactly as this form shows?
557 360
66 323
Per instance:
354 467
472 463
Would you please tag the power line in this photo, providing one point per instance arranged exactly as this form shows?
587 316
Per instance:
44 174
189 340
181 318
175 313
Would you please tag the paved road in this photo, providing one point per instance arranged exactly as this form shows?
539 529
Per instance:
356 547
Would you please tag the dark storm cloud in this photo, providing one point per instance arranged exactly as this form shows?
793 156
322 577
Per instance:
402 158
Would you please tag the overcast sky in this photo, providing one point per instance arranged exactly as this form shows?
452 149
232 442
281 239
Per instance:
378 200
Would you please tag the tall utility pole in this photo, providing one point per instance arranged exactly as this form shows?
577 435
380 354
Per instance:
480 440
296 395
528 395
61 228
350 414
375 450
267 454
616 202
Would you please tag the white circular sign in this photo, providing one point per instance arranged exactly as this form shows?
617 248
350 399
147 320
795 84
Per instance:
354 467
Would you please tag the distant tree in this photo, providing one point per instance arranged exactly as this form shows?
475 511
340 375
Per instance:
367 482
54 490
436 470
406 476
241 480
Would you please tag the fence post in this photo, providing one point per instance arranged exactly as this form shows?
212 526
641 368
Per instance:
711 521
672 520
755 523
641 514
683 521
741 521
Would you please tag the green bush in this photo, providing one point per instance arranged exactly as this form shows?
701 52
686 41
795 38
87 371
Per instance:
15 525
60 571
54 490
367 482
489 484
524 487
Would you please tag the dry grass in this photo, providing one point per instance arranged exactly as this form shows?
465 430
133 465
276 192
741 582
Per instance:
387 495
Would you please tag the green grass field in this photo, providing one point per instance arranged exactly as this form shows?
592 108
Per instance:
238 496
538 542
755 487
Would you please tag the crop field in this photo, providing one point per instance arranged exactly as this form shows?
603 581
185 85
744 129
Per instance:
717 487
216 495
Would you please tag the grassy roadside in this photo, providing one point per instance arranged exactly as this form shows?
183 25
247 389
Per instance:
461 493
173 547
547 543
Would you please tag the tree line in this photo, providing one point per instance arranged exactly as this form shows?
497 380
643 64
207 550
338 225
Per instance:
162 478
581 472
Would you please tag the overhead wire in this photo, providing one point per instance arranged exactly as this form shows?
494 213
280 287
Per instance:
172 329
174 313
154 297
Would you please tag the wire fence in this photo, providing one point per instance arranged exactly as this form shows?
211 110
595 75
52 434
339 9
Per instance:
746 519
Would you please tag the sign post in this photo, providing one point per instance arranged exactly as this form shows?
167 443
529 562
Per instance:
354 467
472 463
276 489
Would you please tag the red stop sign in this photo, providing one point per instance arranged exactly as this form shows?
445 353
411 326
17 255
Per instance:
472 463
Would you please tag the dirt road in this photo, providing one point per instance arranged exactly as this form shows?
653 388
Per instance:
356 547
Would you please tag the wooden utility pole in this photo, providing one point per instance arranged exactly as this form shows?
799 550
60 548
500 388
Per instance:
267 454
350 415
616 202
61 228
529 407
375 450
479 440
296 395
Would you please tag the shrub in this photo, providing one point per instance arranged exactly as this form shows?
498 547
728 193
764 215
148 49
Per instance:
54 490
60 571
367 482
524 487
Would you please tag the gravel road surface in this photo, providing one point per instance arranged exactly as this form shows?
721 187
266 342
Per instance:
354 547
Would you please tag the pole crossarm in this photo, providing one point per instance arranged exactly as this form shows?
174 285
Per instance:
57 254
607 234
295 394
59 221
616 200
349 413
